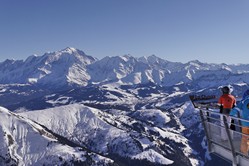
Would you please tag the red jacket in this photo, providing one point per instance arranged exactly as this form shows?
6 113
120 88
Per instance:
227 101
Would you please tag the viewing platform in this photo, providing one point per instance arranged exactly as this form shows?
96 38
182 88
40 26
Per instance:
229 148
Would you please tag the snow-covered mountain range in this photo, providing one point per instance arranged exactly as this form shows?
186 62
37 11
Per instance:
68 108
71 66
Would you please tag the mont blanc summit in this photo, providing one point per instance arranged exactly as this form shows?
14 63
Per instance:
60 68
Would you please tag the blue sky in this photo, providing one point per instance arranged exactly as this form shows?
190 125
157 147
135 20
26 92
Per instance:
213 31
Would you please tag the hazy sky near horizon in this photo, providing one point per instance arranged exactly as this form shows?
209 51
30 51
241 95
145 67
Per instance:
213 31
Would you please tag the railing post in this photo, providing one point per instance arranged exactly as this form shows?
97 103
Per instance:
206 130
208 119
230 140
239 121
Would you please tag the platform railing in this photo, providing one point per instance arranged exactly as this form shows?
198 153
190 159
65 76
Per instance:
216 124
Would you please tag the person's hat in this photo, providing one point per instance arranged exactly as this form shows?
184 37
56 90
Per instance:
225 90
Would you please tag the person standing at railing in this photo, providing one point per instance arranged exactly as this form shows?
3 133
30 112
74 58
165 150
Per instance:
226 103
243 109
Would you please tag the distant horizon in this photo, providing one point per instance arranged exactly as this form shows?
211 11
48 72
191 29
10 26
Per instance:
179 31
116 56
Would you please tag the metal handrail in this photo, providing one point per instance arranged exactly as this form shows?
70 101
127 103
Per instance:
208 117
218 120
234 117
216 128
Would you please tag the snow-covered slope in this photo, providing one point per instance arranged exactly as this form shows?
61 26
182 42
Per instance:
142 125
24 142
102 132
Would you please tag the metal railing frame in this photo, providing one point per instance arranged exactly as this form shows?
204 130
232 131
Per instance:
206 120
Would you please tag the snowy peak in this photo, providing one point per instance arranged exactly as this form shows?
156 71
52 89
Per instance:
69 55
153 59
117 59
111 68
126 58
69 50
67 66
196 65
60 68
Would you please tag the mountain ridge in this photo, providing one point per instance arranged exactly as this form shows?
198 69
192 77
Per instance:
72 67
